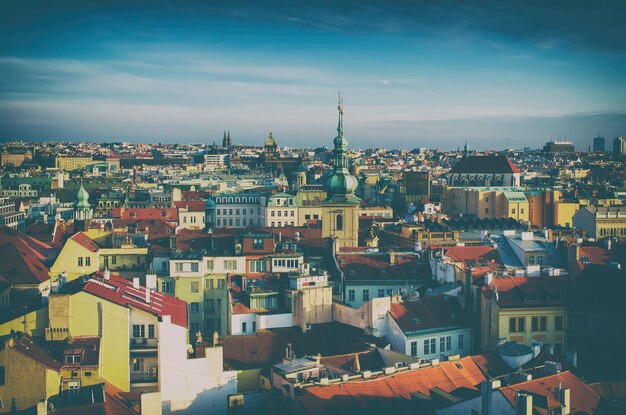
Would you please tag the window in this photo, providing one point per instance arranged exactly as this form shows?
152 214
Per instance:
426 347
230 264
257 243
139 330
461 341
389 291
244 327
433 345
208 284
179 266
540 260
2 376
220 284
531 260
513 211
194 328
209 304
558 323
486 210
413 348
236 211
516 325
381 292
253 326
521 211
138 365
113 259
167 286
366 295
339 222
194 286
80 261
72 358
442 344
193 307
448 343
87 261
151 331
219 304
538 324
351 295
194 267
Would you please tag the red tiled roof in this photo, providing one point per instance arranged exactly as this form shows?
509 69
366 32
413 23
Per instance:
485 164
527 291
427 313
377 266
22 257
122 292
583 398
29 347
595 254
358 395
86 242
168 214
267 347
191 205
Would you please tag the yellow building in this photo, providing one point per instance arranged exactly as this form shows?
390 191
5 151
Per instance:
97 250
31 370
309 202
340 218
523 310
71 162
15 157
547 209
486 202
376 211
602 222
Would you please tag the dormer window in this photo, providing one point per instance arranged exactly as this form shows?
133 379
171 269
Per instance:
72 358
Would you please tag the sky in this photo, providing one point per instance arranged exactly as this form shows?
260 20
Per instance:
412 74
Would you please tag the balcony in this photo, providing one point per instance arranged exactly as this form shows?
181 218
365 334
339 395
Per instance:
144 377
144 344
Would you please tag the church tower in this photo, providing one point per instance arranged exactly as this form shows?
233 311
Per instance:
340 218
82 208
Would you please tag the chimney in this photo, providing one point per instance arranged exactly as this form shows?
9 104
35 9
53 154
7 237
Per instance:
148 295
486 393
107 274
523 404
564 398
42 407
551 368
488 278
136 282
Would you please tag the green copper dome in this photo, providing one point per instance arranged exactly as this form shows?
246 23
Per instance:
341 185
82 198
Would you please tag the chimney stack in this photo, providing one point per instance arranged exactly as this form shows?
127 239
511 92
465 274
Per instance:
523 404
136 282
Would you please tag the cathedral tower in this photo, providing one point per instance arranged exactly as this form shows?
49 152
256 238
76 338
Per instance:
340 219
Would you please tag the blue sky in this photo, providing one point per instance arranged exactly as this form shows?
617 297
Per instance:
502 74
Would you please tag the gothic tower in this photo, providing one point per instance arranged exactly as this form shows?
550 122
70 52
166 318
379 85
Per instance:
340 219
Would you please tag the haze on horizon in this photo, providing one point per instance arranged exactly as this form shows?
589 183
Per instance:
413 74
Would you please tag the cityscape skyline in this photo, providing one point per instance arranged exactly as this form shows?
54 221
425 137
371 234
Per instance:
416 75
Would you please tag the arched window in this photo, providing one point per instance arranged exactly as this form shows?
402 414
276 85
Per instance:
339 222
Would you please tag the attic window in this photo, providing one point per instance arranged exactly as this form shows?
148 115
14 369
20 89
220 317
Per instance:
458 365
72 358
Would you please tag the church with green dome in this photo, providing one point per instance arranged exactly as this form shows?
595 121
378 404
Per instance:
340 219
82 208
